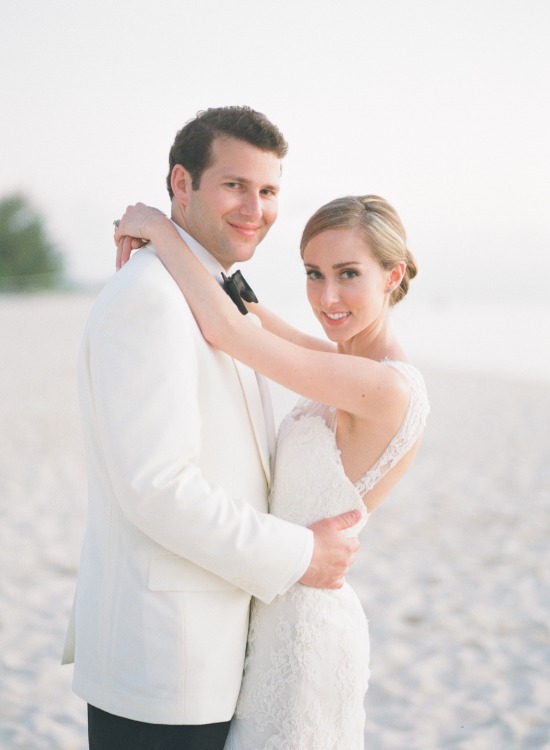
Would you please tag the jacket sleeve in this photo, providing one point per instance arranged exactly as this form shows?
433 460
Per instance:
139 385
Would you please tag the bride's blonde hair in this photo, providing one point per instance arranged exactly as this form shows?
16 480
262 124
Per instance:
381 225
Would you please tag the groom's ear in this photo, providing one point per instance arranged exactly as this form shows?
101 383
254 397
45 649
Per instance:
180 180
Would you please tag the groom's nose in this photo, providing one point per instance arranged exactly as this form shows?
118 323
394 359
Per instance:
251 205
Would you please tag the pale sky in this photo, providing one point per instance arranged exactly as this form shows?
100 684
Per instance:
440 106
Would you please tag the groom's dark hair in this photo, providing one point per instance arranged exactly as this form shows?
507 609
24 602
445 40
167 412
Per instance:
192 147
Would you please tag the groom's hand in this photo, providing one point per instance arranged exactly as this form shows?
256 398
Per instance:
333 553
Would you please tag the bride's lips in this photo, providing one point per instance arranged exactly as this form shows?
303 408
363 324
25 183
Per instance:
337 319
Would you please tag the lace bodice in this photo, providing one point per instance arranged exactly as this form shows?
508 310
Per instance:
307 664
309 465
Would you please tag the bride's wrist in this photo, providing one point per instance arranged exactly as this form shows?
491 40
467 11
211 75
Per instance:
152 225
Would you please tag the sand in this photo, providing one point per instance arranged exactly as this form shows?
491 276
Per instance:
454 570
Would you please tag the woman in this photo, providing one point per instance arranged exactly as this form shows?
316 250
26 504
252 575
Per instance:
343 446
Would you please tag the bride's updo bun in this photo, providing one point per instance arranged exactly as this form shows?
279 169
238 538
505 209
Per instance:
381 225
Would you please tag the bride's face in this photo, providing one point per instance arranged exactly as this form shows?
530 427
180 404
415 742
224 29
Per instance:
346 285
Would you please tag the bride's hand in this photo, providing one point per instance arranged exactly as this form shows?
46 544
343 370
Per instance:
134 230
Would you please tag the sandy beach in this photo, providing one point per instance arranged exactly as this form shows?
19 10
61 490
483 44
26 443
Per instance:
454 570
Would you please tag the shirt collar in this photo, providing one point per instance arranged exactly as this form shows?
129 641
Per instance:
213 266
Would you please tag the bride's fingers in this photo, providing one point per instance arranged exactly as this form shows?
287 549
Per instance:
125 245
119 255
124 224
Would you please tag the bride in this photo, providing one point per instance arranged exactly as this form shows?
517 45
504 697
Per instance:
345 445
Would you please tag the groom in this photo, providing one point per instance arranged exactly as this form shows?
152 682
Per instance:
177 441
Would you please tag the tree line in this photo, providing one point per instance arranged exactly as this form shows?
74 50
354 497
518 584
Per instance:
29 260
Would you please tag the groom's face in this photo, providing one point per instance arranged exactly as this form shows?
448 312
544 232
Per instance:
236 202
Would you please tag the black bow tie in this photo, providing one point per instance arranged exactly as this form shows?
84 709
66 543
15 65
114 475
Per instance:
238 289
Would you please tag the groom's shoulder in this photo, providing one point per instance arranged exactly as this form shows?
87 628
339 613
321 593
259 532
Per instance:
142 282
144 269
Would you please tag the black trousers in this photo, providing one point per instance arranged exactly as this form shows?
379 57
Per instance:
109 732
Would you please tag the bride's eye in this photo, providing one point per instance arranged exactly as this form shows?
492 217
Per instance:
349 273
313 275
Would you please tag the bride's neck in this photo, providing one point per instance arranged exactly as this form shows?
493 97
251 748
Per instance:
378 343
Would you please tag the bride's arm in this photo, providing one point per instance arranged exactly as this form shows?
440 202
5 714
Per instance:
278 326
356 385
270 321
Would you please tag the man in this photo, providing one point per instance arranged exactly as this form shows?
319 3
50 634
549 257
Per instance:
178 535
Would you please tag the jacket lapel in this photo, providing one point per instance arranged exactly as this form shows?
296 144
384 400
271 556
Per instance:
262 424
249 385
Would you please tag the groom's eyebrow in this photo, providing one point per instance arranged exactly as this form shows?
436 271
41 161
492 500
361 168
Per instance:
244 181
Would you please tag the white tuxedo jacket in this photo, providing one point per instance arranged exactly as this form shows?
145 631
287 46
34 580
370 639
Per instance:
178 537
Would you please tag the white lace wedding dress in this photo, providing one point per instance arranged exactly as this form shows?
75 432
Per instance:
307 664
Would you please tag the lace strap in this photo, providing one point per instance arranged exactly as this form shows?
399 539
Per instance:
410 430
